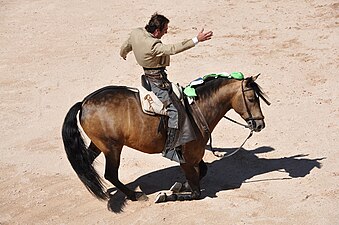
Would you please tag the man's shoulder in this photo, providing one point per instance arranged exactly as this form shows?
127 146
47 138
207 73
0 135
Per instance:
139 31
142 34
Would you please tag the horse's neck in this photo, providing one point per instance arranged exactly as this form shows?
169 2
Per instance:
215 107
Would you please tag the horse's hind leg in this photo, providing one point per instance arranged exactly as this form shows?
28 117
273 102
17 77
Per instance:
111 173
93 152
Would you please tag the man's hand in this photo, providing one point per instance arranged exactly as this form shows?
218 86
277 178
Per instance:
204 36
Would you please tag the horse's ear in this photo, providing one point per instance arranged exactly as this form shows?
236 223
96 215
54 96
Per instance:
251 79
255 77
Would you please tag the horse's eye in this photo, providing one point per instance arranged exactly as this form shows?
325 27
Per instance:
251 100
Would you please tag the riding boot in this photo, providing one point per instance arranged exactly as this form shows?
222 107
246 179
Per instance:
170 152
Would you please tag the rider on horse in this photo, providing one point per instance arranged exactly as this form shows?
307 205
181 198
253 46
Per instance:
154 56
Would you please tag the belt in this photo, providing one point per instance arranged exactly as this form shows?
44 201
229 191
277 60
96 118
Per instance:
154 76
156 73
159 68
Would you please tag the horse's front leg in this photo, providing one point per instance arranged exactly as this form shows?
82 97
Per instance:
192 186
178 187
193 179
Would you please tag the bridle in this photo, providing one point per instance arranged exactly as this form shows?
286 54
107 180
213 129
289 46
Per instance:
203 126
250 120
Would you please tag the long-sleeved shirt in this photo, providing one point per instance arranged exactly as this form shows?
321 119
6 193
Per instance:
150 52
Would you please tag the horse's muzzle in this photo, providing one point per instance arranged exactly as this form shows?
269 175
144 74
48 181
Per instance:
256 125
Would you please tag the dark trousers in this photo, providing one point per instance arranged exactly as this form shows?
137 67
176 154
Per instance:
163 96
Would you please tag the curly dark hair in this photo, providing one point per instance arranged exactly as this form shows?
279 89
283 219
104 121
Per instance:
157 21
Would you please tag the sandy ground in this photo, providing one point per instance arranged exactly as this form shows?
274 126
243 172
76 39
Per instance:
53 53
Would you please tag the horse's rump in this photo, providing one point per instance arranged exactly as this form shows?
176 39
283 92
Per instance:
114 113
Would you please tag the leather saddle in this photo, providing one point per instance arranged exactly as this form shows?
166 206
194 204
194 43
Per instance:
150 103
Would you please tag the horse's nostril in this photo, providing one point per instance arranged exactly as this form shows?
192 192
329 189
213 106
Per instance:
259 127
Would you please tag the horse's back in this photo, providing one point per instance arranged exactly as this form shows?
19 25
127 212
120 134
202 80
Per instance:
111 91
112 100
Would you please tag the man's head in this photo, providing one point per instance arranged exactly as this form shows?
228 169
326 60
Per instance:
157 25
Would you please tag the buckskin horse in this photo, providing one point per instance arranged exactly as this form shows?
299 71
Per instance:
112 117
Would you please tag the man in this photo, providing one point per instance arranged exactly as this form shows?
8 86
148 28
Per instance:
154 56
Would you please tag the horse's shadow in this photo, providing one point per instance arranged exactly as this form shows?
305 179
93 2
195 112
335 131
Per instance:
224 174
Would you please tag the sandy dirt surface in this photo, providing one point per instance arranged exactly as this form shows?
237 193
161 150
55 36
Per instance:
54 53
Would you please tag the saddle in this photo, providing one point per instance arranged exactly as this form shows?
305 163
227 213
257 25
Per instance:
150 103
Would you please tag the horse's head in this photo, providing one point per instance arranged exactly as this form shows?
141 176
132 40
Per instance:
247 104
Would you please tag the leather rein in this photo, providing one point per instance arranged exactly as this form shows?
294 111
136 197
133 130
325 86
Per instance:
250 120
203 126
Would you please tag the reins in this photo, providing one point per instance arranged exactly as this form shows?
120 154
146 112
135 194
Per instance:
235 151
246 126
232 120
203 126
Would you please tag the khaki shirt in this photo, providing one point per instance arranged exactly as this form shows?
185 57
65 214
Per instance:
150 52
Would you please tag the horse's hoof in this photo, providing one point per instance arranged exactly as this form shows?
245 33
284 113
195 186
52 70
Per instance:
141 197
161 197
176 187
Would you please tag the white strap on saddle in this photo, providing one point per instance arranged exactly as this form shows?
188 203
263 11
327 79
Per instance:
151 104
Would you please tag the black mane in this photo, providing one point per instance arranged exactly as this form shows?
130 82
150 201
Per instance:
210 86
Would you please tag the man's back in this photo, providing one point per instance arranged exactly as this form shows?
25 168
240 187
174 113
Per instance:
150 52
142 43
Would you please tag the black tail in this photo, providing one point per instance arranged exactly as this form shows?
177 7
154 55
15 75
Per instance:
78 154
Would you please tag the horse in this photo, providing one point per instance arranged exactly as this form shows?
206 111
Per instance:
112 117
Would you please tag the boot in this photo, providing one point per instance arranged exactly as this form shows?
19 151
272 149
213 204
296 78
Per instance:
170 152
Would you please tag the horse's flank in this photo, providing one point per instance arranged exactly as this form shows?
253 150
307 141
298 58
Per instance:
115 114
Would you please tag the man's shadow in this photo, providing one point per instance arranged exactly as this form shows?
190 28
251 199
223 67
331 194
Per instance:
223 174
